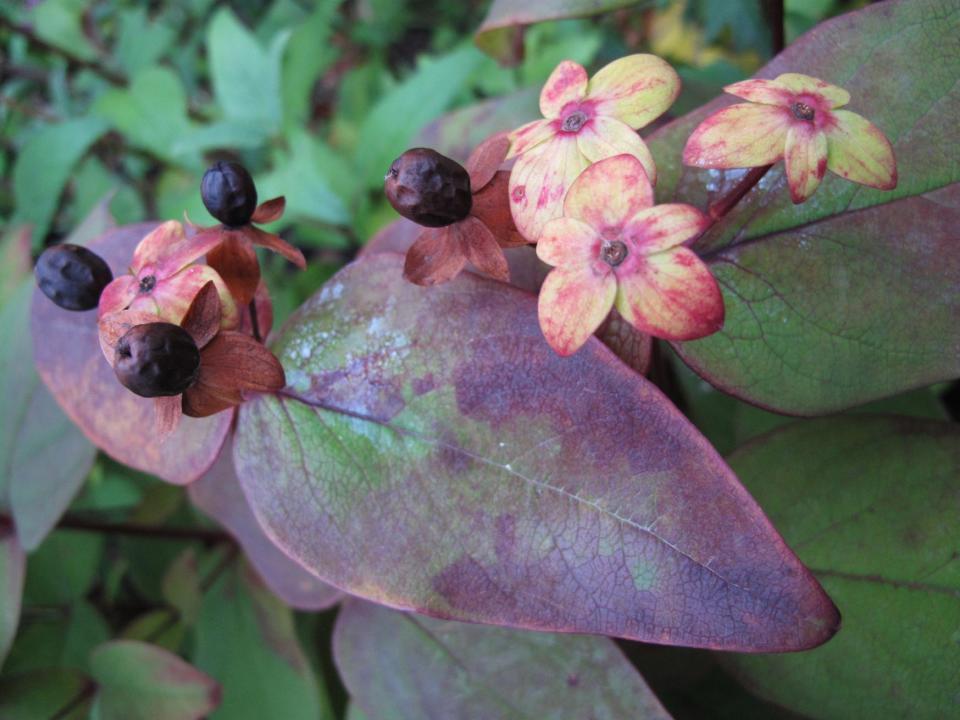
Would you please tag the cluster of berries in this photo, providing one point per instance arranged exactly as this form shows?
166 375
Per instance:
581 190
187 334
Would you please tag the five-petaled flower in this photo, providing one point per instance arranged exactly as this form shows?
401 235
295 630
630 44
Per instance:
794 117
231 362
586 121
484 225
614 247
163 279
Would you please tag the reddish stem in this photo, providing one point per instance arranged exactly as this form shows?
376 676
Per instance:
726 203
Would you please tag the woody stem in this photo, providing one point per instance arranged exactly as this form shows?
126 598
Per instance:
725 204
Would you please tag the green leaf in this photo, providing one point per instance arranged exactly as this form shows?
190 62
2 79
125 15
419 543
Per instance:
306 176
308 54
181 586
400 113
406 667
137 681
501 33
245 75
161 627
60 22
63 568
851 296
93 184
246 638
12 567
42 694
870 504
43 167
151 113
59 637
142 40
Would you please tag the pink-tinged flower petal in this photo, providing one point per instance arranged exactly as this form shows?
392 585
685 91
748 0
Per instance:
269 211
539 182
859 151
480 248
671 295
605 137
168 411
609 192
486 159
805 157
435 257
181 254
113 326
276 244
758 90
739 136
527 137
171 298
157 244
662 227
636 89
568 241
567 83
117 295
573 302
806 85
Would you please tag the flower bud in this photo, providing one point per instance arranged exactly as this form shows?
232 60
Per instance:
428 188
72 276
157 359
228 193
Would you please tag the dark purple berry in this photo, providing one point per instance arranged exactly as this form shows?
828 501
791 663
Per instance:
72 276
428 188
157 359
228 193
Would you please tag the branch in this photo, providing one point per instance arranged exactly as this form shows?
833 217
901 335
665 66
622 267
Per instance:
78 522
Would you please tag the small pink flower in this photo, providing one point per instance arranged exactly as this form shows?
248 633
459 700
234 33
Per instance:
613 247
794 117
586 121
163 280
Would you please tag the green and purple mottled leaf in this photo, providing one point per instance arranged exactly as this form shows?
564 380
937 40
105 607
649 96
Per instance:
401 666
68 357
432 453
501 34
246 639
219 495
12 572
137 681
871 505
850 296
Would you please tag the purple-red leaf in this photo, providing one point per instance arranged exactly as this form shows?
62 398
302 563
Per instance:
399 666
432 453
68 357
219 495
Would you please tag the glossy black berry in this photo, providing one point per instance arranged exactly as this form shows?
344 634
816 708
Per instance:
72 276
157 359
228 193
428 188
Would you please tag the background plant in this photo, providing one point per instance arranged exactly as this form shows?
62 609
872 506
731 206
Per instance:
317 100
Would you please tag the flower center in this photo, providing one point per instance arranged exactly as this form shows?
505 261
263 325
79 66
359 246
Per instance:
148 283
613 253
802 111
574 121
